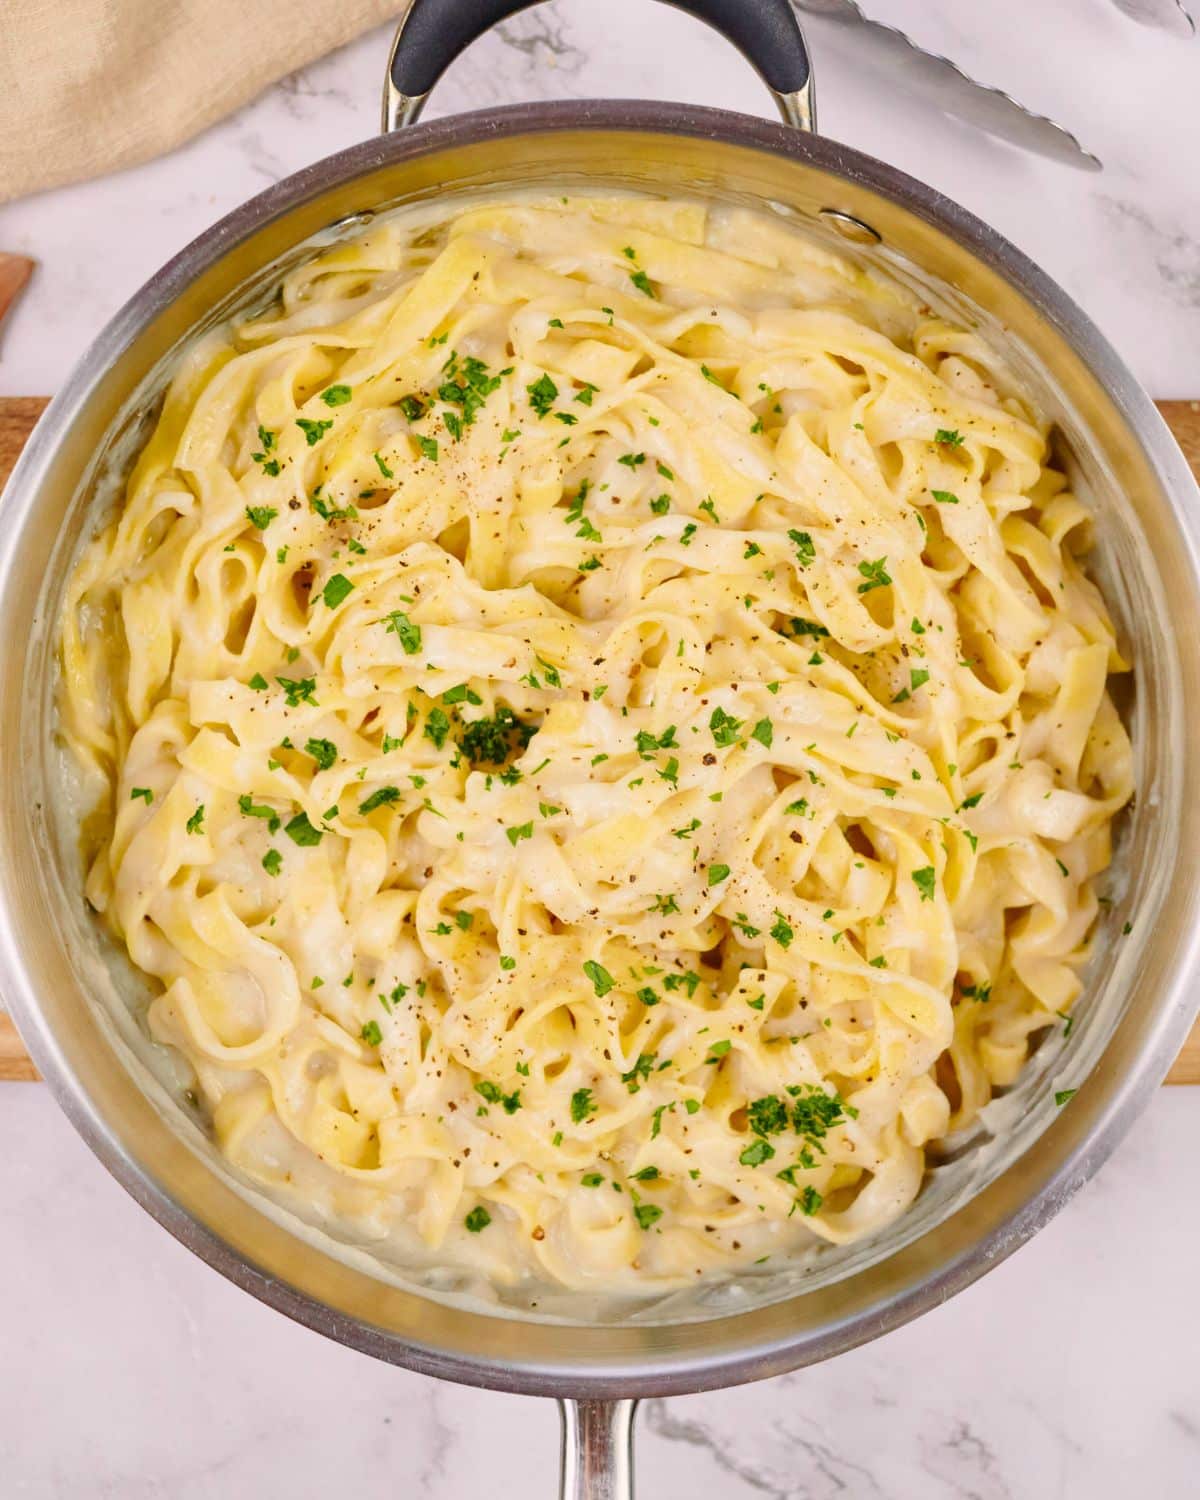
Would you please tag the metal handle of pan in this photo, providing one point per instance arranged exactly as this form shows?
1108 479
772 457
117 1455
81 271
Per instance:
432 33
597 1450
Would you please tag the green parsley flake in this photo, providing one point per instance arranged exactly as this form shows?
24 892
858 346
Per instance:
195 824
337 590
924 880
384 796
582 1105
313 431
398 624
301 832
477 1220
602 980
336 395
757 1153
543 393
806 552
876 575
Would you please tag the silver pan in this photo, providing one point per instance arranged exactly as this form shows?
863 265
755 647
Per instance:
1142 994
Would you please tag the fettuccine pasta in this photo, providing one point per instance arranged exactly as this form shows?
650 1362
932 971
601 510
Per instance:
600 738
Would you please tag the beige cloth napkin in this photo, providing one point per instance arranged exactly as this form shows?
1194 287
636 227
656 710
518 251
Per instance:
87 86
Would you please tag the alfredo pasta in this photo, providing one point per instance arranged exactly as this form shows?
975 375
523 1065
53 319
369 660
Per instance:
600 737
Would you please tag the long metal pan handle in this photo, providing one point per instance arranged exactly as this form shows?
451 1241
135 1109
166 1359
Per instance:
597 1450
432 33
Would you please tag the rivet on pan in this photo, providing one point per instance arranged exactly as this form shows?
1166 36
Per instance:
850 228
355 220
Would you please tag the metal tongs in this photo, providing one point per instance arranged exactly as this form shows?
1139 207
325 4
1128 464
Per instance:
989 109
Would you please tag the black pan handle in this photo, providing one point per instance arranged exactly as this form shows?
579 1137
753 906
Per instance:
432 33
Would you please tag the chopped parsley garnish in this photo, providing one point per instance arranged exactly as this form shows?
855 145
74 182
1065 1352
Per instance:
782 931
924 881
412 407
467 384
756 1153
260 516
195 824
492 741
143 792
429 450
648 743
299 690
642 282
717 873
336 395
632 460
764 733
251 809
810 1201
805 550
876 575
640 1071
543 393
371 1034
398 624
383 468
437 727
313 431
477 1220
301 832
768 1116
602 980
944 497
724 727
337 590
814 1111
1063 1096
272 861
581 1105
384 796
259 683
495 1095
951 438
518 832
591 1180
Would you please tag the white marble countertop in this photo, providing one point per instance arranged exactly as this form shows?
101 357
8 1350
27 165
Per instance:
128 1369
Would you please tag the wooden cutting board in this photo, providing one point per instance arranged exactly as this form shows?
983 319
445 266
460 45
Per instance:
17 416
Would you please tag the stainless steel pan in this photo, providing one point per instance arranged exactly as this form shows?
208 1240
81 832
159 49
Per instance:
1142 994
